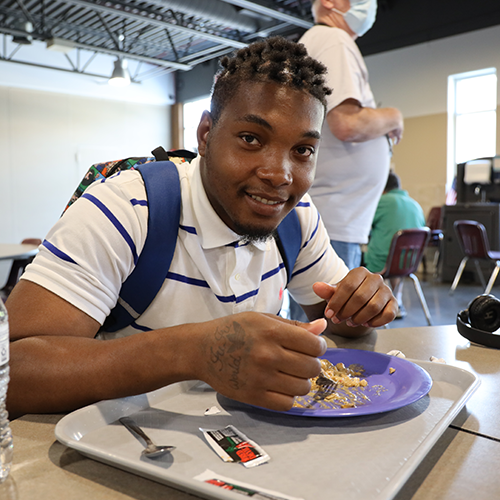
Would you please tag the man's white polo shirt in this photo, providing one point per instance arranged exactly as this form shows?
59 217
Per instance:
85 259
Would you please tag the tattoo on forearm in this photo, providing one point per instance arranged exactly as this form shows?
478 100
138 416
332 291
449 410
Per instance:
226 354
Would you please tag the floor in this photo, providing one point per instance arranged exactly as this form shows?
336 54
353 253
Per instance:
443 307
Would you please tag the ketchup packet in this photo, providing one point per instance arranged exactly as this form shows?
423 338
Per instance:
233 446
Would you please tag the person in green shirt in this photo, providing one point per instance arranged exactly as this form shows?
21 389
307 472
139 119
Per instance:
396 210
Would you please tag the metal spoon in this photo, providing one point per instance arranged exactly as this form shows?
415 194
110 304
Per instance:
151 450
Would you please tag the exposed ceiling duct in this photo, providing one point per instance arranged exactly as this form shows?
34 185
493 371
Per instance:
177 35
172 34
219 12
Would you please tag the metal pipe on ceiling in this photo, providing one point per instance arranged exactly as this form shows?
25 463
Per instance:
214 10
271 12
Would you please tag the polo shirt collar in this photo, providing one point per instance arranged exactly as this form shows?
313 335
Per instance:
211 229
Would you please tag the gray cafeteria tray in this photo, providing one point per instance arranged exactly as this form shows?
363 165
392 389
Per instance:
361 457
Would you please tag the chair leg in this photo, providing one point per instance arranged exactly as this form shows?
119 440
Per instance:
424 265
480 272
396 291
420 294
435 265
460 270
493 278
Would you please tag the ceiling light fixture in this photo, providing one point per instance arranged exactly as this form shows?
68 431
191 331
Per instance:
120 76
23 38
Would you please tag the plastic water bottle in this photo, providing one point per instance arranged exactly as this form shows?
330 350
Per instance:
6 444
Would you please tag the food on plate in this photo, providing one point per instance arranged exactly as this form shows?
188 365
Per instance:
346 377
350 391
391 370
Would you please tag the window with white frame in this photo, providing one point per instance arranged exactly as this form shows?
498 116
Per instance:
472 104
192 112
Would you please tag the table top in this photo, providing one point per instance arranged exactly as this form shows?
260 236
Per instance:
459 466
17 251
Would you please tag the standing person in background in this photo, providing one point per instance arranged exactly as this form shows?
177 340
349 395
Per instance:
395 211
355 151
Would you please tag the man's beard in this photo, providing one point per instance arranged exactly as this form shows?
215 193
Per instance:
249 235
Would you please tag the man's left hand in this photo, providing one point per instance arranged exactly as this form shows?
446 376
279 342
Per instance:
361 299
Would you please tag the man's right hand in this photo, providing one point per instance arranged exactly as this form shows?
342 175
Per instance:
57 365
261 359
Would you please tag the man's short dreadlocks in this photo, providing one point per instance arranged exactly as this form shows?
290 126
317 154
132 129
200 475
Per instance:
275 59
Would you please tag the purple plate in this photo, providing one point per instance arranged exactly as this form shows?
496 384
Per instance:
407 384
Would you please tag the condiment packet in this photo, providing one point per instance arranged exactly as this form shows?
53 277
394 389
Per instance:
213 410
437 360
233 446
246 489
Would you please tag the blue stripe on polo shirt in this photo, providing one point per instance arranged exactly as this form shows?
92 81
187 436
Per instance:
200 283
313 233
226 299
241 298
272 272
140 327
105 210
188 229
57 252
303 204
223 298
185 279
111 176
142 203
246 296
309 266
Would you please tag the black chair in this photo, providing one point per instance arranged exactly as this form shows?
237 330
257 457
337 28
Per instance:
473 240
404 257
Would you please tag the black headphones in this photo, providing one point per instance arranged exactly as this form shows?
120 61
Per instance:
480 320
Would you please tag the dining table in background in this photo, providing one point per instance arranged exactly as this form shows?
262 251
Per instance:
12 262
461 464
12 251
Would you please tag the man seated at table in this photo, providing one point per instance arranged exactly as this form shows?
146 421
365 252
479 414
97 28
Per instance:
216 316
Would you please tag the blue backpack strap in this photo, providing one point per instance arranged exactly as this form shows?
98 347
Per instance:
289 241
164 197
162 184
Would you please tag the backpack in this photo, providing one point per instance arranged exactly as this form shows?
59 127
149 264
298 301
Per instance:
161 180
101 171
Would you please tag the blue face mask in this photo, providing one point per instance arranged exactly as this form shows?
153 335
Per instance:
361 16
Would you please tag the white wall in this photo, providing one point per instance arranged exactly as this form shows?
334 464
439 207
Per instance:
48 141
54 125
415 79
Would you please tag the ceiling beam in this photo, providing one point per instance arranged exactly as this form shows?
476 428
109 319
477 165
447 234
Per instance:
128 55
118 53
144 19
57 68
